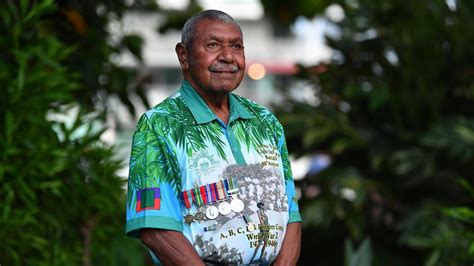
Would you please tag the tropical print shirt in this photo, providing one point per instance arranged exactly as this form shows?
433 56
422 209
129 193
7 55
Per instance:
181 150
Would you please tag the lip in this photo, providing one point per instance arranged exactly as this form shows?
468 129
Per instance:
224 69
230 71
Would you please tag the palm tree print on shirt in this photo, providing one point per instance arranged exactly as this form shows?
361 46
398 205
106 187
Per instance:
150 153
172 122
264 127
179 123
258 130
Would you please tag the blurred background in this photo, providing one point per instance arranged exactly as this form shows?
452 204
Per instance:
376 97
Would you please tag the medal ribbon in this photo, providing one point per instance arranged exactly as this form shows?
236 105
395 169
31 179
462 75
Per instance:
186 198
193 197
197 195
233 186
226 194
220 191
208 194
226 188
213 192
202 189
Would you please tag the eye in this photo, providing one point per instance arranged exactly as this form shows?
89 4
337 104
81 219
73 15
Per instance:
237 46
212 45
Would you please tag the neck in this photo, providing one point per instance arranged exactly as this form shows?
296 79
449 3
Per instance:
218 102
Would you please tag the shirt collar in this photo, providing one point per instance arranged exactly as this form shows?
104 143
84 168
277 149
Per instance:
202 113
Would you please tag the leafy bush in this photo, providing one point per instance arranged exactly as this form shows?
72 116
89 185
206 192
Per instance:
61 200
395 115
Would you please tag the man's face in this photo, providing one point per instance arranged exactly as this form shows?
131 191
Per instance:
216 59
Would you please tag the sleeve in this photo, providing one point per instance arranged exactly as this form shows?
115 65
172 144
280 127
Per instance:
153 183
293 209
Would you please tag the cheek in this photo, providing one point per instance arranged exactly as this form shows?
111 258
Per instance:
241 61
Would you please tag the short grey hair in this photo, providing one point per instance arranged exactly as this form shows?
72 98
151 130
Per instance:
187 35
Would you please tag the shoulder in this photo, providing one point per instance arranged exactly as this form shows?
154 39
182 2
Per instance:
259 111
255 108
163 114
165 108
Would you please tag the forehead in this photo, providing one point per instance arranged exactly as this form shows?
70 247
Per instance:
214 29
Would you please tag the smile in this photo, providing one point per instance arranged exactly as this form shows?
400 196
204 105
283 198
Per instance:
224 70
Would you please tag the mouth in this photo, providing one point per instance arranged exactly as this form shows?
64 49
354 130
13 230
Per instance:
224 72
231 70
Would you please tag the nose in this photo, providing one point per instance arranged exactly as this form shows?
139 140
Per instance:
226 55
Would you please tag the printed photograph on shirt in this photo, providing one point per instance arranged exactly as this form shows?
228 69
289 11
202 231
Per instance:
256 233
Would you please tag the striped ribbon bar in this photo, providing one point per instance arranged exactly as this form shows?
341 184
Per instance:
202 190
191 191
197 195
186 198
213 192
233 187
220 191
227 188
208 194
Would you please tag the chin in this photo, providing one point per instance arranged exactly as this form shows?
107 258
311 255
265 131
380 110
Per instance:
225 88
225 84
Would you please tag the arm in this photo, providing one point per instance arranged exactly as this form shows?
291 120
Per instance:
290 249
171 247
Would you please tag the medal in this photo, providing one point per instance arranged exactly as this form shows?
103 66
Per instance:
212 212
237 205
224 208
187 199
199 200
194 195
199 216
189 218
218 192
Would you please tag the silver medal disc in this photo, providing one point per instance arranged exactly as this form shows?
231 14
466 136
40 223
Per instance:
224 208
237 205
212 212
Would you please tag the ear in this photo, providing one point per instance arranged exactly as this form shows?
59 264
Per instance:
182 54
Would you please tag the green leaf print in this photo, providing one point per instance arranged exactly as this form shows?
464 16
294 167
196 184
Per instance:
214 133
185 132
164 165
152 162
251 132
256 131
286 163
138 160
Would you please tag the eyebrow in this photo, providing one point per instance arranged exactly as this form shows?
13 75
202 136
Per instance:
215 37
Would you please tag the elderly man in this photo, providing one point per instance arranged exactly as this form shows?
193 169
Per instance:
210 181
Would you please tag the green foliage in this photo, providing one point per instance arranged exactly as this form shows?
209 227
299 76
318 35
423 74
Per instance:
88 26
285 12
61 199
395 115
175 19
360 257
